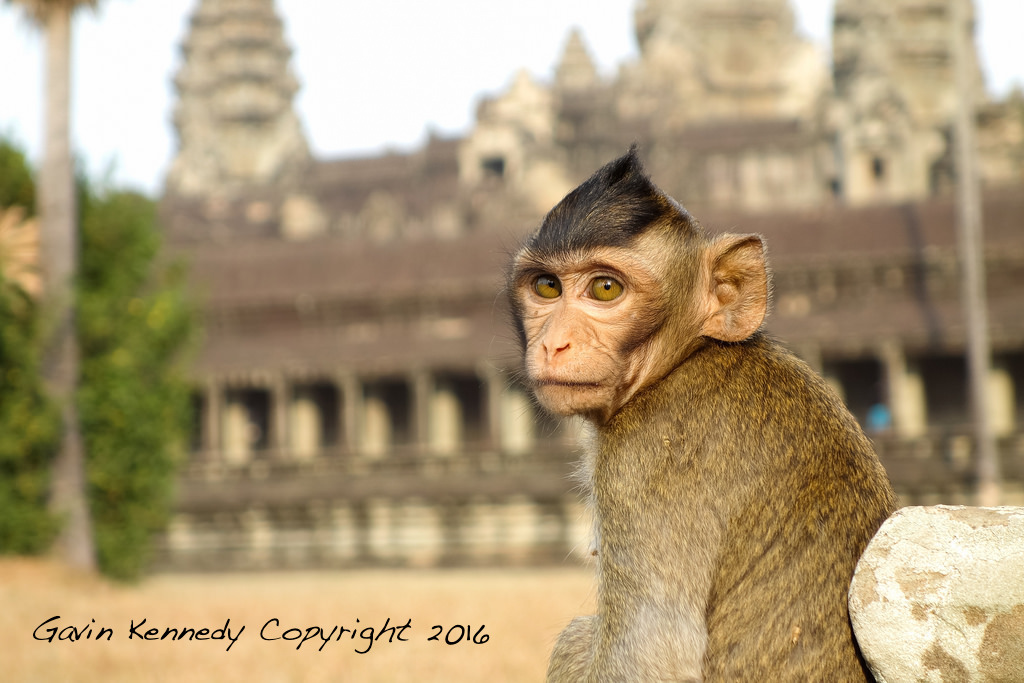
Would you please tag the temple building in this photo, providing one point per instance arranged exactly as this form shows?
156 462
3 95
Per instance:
357 390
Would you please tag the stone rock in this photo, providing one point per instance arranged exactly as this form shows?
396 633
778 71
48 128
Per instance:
939 596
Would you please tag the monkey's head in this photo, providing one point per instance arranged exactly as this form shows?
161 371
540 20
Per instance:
619 285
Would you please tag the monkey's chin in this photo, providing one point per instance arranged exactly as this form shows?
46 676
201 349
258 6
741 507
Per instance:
572 398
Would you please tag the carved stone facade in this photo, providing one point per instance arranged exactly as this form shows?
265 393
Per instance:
235 121
713 60
896 96
735 109
356 392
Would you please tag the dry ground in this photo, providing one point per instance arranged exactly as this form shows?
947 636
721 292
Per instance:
521 611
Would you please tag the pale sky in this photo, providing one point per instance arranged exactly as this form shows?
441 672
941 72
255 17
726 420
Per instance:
374 74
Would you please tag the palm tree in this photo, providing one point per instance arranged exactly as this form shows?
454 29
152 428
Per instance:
59 238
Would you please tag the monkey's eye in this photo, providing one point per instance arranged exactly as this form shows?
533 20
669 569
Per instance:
548 286
606 289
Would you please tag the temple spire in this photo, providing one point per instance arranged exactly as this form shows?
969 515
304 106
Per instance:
576 70
714 60
235 120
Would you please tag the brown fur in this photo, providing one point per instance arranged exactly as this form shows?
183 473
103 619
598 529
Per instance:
735 514
733 492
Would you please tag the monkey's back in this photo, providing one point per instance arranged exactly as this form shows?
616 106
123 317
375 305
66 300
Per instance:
821 497
792 492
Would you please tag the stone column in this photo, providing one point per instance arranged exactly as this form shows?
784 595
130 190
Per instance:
305 425
278 441
494 386
445 434
422 384
351 404
905 390
517 421
237 443
1002 399
376 431
213 410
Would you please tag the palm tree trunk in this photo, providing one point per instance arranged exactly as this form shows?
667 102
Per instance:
972 262
58 217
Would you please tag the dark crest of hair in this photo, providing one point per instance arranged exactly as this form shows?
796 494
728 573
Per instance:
610 209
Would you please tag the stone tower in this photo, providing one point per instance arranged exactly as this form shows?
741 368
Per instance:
723 59
576 70
236 125
896 96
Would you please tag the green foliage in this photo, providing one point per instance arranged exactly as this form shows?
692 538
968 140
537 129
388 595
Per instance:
134 323
29 429
16 185
134 320
29 421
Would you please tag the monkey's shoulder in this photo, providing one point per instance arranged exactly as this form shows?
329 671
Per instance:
754 395
748 377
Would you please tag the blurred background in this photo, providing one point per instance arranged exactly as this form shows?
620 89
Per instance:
295 349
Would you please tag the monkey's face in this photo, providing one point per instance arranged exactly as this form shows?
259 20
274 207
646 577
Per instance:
619 284
589 322
598 325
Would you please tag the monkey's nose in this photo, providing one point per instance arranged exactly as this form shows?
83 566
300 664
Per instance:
557 348
552 349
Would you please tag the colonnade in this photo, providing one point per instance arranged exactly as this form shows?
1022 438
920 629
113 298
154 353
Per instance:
446 412
439 412
449 415
918 393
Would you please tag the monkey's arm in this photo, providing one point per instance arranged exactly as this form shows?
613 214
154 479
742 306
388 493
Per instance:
570 660
660 536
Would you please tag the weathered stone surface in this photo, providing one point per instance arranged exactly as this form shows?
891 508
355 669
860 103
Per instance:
236 124
939 596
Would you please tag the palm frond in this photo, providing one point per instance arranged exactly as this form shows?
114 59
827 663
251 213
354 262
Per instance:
38 9
19 251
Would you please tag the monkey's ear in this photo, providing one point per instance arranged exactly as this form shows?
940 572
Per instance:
737 297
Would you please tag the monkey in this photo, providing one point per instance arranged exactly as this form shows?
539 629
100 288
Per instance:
733 492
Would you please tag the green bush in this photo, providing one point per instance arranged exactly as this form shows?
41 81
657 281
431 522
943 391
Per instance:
16 185
29 429
134 324
29 421
134 321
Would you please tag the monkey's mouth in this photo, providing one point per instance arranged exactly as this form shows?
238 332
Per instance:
570 397
542 383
